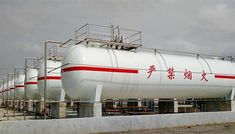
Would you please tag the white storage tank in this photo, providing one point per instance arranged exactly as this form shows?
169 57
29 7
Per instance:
143 74
31 85
1 91
11 89
20 87
4 90
55 92
7 90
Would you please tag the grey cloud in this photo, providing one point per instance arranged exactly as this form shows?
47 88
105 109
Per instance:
201 26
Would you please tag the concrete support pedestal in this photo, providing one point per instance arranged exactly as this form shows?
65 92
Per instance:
3 103
139 103
11 104
39 107
15 105
124 104
29 106
233 106
176 106
20 105
58 110
90 109
168 106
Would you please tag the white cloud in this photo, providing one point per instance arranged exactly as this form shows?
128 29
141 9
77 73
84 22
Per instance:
219 17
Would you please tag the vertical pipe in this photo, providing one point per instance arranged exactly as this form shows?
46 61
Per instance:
56 52
118 30
25 79
88 31
45 77
112 33
14 76
3 87
7 95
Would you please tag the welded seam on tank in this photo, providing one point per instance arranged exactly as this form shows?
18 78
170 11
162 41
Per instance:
207 63
115 57
159 63
108 50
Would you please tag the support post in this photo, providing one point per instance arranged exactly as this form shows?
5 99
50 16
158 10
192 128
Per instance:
25 71
94 108
58 110
3 80
14 92
175 105
45 76
7 96
232 100
45 70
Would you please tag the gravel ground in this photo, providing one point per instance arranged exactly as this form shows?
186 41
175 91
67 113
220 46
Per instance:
18 115
203 129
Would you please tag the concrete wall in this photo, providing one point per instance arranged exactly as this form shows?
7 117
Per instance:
111 124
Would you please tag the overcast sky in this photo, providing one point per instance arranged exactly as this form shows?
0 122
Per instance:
201 26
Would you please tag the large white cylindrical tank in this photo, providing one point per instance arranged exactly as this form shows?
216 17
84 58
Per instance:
55 92
20 87
143 74
31 85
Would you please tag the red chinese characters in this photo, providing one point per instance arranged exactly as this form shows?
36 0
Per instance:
152 68
204 76
188 75
171 73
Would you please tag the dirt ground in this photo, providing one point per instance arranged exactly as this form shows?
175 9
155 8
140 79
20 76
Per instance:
11 117
228 128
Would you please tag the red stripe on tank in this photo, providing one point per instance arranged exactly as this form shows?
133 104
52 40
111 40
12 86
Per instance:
31 83
50 78
225 76
99 69
20 86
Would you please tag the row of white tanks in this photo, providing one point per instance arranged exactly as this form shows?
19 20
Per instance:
88 71
34 84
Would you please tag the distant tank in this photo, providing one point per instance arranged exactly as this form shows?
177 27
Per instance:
11 89
20 87
31 85
55 92
1 91
7 90
4 91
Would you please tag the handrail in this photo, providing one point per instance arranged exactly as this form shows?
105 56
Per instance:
106 35
81 27
58 68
